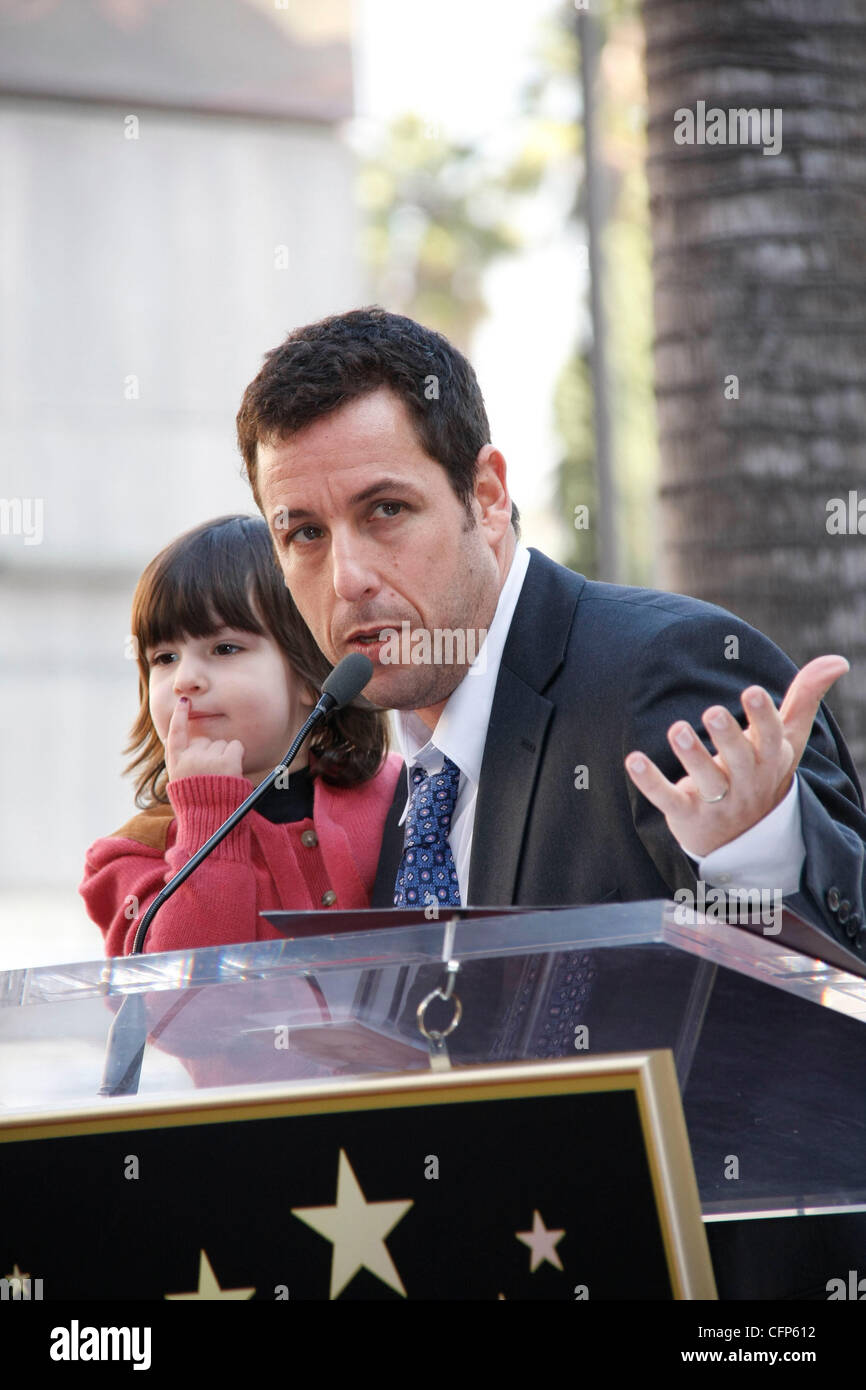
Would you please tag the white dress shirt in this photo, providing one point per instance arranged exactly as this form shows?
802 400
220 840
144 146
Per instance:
771 853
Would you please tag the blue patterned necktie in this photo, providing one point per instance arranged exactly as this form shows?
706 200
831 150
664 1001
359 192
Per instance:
427 872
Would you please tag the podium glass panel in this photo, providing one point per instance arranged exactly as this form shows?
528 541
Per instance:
769 1044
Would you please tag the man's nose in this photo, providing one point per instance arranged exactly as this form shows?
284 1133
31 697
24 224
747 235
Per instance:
356 576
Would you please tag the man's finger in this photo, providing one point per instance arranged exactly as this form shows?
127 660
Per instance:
766 730
709 779
734 749
805 694
655 786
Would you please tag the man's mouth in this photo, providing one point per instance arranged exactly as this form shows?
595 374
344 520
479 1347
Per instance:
369 640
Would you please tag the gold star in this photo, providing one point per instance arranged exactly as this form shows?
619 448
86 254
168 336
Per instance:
542 1243
16 1274
357 1229
208 1287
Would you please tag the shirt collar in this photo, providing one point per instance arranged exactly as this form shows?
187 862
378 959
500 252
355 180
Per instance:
461 731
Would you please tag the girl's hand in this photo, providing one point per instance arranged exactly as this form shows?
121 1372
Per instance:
197 757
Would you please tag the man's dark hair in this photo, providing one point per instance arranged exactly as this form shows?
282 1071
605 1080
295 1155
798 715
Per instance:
340 358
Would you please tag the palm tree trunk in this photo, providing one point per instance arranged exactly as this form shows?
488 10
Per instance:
760 313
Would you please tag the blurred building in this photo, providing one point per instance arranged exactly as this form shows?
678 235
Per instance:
176 196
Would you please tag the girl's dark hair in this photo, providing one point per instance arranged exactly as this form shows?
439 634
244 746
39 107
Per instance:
224 574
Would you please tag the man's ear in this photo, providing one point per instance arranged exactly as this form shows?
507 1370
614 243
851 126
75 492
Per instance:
491 493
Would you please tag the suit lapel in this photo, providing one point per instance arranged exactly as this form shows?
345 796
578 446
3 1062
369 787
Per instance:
519 719
512 756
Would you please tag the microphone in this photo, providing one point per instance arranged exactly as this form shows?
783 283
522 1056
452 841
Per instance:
122 1064
345 682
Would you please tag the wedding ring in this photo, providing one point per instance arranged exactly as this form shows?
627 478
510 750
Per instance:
710 799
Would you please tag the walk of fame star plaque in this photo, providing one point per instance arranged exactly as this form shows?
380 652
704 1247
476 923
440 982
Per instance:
553 1180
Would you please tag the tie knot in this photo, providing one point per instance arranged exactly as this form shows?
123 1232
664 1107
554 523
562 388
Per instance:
432 803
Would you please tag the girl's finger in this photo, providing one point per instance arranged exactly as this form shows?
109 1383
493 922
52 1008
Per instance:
177 737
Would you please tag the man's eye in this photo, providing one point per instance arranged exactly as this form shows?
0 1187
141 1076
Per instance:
306 533
395 507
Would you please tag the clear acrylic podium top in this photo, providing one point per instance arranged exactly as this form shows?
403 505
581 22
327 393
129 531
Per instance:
769 1043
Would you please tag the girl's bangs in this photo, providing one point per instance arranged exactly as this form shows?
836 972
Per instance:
195 591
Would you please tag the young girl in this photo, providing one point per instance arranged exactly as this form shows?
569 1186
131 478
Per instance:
228 673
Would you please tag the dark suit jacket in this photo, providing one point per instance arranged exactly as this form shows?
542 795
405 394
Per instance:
589 672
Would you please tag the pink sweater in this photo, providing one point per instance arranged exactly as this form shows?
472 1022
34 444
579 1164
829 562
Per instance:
258 866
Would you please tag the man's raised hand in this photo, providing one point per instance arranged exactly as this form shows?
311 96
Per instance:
724 795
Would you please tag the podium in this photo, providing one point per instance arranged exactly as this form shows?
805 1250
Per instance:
767 1046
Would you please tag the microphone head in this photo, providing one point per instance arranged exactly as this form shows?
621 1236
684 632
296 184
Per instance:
348 679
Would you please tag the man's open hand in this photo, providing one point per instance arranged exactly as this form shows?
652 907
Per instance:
724 795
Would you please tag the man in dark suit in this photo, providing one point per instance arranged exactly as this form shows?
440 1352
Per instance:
606 743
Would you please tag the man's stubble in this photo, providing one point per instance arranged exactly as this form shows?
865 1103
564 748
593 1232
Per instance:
471 605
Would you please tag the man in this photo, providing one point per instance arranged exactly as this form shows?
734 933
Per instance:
608 743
